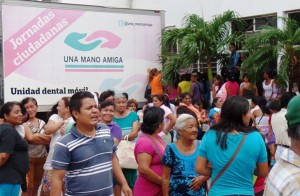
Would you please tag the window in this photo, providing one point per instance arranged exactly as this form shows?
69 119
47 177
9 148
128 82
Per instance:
254 23
269 21
249 24
295 16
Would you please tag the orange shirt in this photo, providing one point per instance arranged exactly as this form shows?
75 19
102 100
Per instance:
156 85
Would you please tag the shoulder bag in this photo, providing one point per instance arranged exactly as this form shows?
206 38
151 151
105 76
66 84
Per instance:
256 125
230 161
125 154
155 147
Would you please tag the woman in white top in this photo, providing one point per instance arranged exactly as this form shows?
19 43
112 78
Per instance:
260 116
55 127
169 118
268 86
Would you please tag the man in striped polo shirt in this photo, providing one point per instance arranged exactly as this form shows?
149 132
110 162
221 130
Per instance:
85 158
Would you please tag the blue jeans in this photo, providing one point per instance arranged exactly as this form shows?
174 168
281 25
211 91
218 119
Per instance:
10 189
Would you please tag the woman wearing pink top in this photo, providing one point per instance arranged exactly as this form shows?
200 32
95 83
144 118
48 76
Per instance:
149 150
232 87
229 88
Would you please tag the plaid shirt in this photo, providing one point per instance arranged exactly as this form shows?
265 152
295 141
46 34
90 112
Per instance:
284 178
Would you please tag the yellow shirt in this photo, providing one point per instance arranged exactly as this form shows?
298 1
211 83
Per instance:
185 86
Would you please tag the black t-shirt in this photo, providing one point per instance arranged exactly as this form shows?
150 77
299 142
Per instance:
12 143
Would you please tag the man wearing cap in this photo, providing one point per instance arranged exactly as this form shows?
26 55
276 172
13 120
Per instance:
196 89
284 178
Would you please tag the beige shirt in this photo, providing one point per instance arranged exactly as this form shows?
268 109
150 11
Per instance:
280 127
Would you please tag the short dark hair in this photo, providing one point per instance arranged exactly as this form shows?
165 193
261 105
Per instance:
76 101
105 94
185 110
232 44
294 131
197 102
183 95
186 77
286 97
7 108
275 104
105 104
160 97
166 100
126 95
261 101
232 113
231 77
215 100
152 118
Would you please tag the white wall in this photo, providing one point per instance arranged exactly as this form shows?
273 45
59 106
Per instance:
175 10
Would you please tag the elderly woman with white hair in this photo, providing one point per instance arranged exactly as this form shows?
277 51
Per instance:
179 176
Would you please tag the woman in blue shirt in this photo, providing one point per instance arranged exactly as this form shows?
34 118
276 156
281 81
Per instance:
219 144
179 176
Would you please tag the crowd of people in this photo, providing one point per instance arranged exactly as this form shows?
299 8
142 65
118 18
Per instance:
238 141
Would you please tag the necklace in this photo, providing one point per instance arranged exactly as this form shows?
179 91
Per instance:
33 128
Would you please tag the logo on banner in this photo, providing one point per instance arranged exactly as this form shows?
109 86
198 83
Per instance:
83 42
87 62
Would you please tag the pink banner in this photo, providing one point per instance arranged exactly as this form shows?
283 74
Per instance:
35 35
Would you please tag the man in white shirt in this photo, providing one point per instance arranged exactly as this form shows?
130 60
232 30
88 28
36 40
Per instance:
284 177
279 123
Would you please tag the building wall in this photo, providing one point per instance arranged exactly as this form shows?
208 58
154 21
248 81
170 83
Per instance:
175 10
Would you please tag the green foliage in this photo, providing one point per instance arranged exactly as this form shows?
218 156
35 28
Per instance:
207 41
268 46
197 41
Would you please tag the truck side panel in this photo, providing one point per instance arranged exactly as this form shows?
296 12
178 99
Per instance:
49 52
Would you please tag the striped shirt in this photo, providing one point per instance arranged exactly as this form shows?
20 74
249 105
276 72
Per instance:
284 178
87 160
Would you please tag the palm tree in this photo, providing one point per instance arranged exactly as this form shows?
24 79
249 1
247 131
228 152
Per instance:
274 45
199 41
